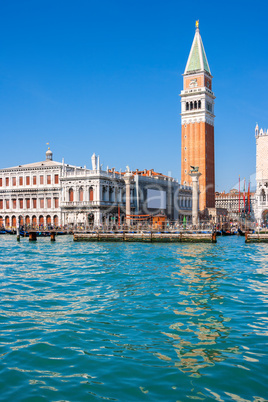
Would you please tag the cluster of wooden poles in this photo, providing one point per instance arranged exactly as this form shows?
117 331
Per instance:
33 236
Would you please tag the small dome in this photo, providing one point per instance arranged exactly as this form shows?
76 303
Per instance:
49 155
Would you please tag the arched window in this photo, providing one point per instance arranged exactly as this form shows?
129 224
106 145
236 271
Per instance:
81 194
1 221
195 104
187 105
104 193
263 195
7 221
13 221
191 105
48 219
56 220
21 221
90 219
34 220
71 195
199 104
41 220
91 194
111 193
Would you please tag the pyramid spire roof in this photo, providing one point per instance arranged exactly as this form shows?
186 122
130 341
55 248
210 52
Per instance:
197 60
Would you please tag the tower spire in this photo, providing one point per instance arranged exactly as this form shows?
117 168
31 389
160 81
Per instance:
197 60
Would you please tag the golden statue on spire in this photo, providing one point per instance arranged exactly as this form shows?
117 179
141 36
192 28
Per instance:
197 24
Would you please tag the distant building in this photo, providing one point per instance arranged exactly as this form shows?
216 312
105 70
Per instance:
230 202
197 122
261 206
50 193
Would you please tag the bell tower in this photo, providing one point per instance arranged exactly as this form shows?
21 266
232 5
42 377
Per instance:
197 122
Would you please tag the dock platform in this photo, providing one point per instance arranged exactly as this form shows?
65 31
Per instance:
256 237
147 237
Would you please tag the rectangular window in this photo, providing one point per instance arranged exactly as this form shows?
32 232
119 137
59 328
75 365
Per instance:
28 203
49 202
34 202
1 182
21 203
48 179
14 203
13 181
21 181
34 180
41 202
27 180
56 202
7 181
56 179
41 179
1 204
7 204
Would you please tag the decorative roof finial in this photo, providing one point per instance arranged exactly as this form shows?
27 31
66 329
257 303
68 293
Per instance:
197 24
48 154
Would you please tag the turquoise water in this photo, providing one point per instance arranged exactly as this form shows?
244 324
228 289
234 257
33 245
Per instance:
133 322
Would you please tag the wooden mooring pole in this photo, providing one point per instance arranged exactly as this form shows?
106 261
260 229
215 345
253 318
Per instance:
32 236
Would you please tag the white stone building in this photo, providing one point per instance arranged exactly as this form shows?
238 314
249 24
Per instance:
50 193
261 196
30 194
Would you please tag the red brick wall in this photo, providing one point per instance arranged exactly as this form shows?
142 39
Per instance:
199 144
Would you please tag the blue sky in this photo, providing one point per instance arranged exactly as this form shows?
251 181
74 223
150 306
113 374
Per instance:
105 77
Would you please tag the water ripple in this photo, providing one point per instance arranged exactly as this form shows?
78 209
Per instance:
122 322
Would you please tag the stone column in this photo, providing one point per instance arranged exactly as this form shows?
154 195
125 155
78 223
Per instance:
76 193
195 196
97 218
127 178
97 193
97 203
86 195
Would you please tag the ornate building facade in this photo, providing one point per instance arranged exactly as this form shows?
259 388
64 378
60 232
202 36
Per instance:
30 194
50 193
197 122
261 204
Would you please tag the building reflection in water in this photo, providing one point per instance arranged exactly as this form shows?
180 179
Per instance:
199 336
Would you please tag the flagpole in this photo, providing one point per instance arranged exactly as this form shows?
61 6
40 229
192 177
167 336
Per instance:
239 197
249 197
244 195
